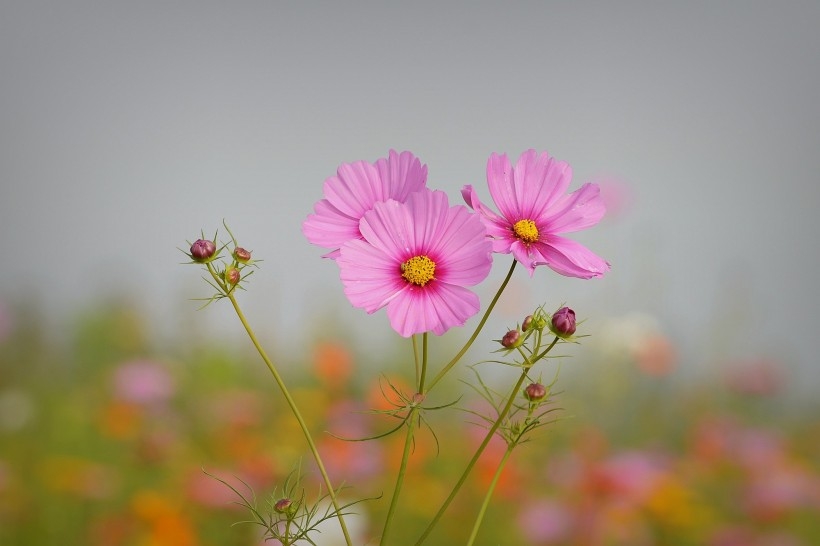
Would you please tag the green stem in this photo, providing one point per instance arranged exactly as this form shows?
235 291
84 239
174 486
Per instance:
408 440
476 456
293 408
478 329
489 494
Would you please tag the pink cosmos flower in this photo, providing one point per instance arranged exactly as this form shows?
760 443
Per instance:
416 258
354 190
534 210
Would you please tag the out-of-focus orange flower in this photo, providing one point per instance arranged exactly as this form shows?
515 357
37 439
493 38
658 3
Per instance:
166 523
79 477
381 395
121 420
674 505
656 355
332 365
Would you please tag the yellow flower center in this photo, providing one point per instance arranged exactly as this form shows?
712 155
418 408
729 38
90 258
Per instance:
418 270
526 231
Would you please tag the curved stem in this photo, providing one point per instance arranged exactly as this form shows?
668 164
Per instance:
489 494
295 410
476 456
478 329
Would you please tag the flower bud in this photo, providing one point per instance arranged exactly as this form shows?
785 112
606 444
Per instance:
535 392
511 339
527 323
283 506
232 275
202 250
241 255
563 322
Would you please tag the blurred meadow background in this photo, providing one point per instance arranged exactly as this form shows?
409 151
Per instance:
690 414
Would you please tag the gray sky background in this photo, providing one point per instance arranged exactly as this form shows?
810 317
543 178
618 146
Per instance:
125 128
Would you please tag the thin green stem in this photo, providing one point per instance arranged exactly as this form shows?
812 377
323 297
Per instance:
295 410
478 329
476 456
416 357
405 457
489 494
408 440
420 383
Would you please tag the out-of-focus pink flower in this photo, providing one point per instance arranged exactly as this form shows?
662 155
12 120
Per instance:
761 377
354 190
773 494
545 522
416 259
208 491
535 210
630 476
143 382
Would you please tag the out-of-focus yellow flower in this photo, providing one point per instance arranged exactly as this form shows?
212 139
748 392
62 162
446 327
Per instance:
673 504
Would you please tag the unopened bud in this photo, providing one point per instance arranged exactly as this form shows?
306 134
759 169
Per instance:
241 255
232 275
511 339
563 322
535 392
283 506
527 323
202 250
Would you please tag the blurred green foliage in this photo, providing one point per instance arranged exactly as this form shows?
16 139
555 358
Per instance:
105 439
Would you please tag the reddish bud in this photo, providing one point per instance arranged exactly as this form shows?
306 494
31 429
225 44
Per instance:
535 392
241 255
563 322
527 323
283 505
202 250
232 275
511 339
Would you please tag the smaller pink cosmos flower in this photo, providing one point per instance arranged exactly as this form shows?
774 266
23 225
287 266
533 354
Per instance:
416 258
354 190
535 210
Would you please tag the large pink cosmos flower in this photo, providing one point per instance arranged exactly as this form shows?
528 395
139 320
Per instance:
416 258
534 210
354 190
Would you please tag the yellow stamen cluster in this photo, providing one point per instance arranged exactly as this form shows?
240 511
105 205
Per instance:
526 231
418 270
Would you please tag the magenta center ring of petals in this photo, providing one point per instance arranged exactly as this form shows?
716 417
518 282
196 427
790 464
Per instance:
526 231
418 270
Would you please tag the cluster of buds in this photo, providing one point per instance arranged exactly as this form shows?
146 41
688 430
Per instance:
561 323
205 251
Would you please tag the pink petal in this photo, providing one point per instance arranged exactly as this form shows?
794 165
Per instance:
462 250
428 210
498 229
370 277
539 181
401 174
354 189
435 308
581 209
569 258
386 227
329 227
500 182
